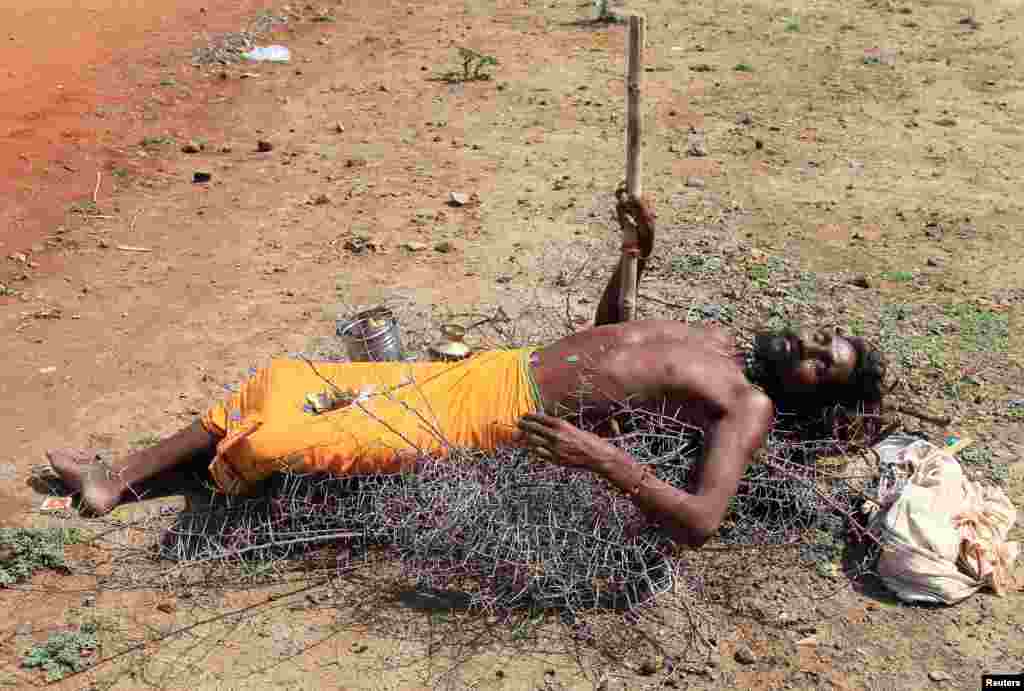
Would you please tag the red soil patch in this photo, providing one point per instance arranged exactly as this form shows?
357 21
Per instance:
72 87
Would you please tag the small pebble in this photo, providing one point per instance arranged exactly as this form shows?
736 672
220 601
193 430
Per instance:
745 656
648 667
264 146
744 119
191 148
167 607
457 198
695 182
861 281
939 675
201 176
444 247
358 647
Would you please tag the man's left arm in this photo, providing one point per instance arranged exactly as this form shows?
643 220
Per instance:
691 518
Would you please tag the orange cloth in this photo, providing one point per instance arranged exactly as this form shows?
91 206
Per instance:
401 409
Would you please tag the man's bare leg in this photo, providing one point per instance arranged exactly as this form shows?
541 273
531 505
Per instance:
609 310
102 489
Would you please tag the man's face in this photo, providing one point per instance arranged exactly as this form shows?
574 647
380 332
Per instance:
806 359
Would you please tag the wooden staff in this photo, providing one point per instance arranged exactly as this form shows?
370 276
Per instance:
630 240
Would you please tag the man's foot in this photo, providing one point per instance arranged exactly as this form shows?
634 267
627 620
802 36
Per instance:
79 471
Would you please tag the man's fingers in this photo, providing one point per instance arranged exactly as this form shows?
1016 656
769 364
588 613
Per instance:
540 419
534 429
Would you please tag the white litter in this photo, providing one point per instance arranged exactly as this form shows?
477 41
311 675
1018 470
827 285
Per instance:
268 54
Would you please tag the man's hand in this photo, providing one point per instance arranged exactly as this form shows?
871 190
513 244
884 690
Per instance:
638 212
562 443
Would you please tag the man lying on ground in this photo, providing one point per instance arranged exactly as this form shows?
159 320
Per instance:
382 416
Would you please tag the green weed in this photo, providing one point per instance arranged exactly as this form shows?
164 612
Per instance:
63 653
146 440
744 67
84 207
981 461
474 66
33 549
150 142
981 330
898 276
792 24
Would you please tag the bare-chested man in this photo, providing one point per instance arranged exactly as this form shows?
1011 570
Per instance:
695 374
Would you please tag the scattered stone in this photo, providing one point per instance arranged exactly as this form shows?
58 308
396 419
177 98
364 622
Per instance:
191 148
970 22
89 601
168 607
701 67
414 246
320 200
744 119
500 674
809 641
201 176
648 667
23 629
264 146
339 128
19 257
37 248
758 144
939 675
695 182
745 656
225 149
444 247
932 261
359 244
104 244
457 199
861 281
946 122
696 146
358 647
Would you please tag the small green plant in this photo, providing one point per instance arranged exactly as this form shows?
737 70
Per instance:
120 172
981 330
474 66
27 550
528 627
168 82
898 276
63 653
146 440
150 142
792 24
744 67
981 461
603 13
84 207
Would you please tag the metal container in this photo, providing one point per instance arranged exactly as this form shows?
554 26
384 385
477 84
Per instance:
451 347
372 336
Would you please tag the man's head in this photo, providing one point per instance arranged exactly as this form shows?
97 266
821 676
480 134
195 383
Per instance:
819 367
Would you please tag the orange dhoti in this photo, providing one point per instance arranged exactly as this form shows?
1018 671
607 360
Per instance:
384 415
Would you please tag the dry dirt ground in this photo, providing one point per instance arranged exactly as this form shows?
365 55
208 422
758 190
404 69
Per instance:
839 183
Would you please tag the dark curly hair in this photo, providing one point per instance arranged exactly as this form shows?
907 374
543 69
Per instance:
852 410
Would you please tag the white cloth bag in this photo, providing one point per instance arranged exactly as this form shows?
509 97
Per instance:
943 537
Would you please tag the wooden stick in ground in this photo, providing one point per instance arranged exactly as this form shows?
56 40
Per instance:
630 240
